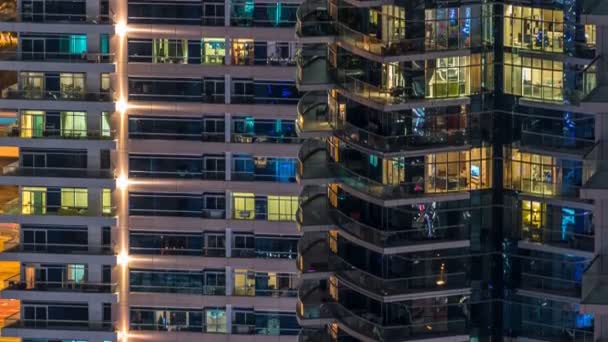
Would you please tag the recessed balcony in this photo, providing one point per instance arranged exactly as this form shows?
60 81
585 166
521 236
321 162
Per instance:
313 115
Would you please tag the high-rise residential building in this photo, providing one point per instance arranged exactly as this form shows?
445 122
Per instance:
148 157
453 178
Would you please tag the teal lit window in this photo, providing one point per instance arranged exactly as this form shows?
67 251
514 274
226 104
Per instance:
373 160
78 44
104 43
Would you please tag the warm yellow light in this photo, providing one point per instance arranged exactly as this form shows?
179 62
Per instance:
121 106
122 258
122 182
121 28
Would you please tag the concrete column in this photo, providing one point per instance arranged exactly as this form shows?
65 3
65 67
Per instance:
227 127
94 122
227 12
229 281
228 163
93 82
95 200
95 273
94 159
228 54
229 318
228 248
92 9
227 89
95 311
228 207
93 42
94 237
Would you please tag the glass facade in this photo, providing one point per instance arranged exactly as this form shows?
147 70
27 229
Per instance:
447 171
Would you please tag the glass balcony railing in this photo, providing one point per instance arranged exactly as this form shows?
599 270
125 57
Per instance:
313 254
15 131
256 177
353 277
179 174
314 72
19 171
248 138
427 234
540 140
59 248
48 95
313 20
313 209
60 18
177 250
554 333
554 285
313 161
559 238
313 114
207 290
16 284
425 327
399 143
381 95
61 57
16 322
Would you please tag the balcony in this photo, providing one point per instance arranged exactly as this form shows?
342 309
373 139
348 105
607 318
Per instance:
566 239
14 131
20 171
425 236
313 254
314 335
594 12
247 138
314 165
313 22
313 304
46 95
595 173
558 286
15 322
313 72
313 115
257 177
55 18
396 289
56 248
535 141
16 284
56 57
536 331
370 328
313 213
399 144
594 293
392 98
